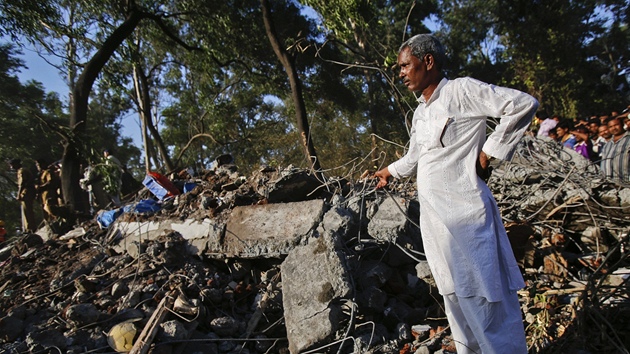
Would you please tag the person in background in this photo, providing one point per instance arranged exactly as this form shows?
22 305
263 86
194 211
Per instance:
614 162
563 129
128 184
597 141
92 183
583 144
582 121
593 126
112 176
25 194
465 243
47 186
624 116
604 133
55 168
548 125
111 159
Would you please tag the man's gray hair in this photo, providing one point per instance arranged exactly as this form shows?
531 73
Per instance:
423 44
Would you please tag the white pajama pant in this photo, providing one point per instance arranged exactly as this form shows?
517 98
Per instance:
482 327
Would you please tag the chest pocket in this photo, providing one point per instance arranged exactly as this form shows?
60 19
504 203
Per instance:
438 133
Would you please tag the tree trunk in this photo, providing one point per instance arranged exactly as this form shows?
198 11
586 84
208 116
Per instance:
144 100
141 113
71 159
371 114
296 87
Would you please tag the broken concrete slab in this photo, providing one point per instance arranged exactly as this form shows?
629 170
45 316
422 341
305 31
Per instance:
202 236
271 230
252 231
314 279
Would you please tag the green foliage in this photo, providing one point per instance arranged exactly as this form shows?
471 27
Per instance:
110 176
565 53
232 95
26 115
27 17
362 40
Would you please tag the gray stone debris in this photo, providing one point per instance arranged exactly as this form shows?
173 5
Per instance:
271 230
390 220
281 263
46 339
172 330
82 314
225 326
315 279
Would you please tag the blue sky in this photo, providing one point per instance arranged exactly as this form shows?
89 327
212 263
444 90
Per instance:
40 70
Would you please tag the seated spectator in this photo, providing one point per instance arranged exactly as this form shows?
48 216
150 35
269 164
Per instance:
563 129
615 163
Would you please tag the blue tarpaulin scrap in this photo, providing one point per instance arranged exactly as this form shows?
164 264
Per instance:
189 186
157 189
145 206
107 217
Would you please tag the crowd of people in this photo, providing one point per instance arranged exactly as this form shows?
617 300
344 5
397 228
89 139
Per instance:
104 182
603 140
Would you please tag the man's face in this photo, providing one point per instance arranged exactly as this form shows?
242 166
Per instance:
561 132
603 132
615 128
593 127
413 71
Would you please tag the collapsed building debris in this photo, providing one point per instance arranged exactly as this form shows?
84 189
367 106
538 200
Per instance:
279 262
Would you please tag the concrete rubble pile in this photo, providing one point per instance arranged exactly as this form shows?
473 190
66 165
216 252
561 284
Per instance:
569 228
281 262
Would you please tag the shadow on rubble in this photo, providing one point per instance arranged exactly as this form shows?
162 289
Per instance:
279 262
574 255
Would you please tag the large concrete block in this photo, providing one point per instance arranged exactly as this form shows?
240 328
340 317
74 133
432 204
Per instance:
270 230
314 279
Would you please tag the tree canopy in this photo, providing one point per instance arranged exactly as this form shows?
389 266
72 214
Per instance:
204 77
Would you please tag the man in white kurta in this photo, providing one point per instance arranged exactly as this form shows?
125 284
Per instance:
463 235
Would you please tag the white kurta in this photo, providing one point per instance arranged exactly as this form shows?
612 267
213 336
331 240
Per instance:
463 235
